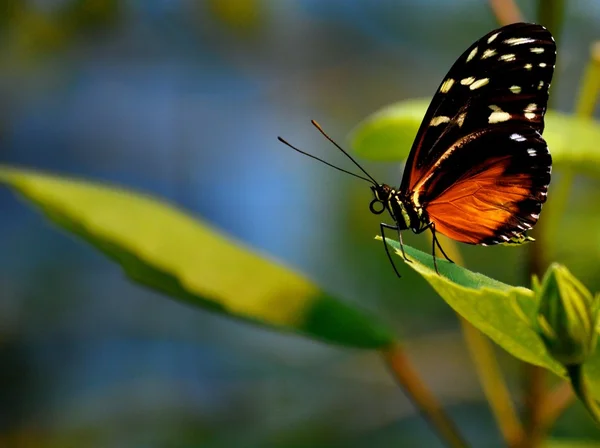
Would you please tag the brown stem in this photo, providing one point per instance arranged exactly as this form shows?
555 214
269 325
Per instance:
506 11
556 402
494 387
534 384
408 378
553 405
534 395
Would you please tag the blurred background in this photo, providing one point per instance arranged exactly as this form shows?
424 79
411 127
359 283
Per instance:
184 99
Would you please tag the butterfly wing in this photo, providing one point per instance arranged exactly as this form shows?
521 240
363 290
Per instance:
493 188
502 78
479 166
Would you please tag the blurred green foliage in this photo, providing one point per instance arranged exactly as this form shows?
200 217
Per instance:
166 250
30 30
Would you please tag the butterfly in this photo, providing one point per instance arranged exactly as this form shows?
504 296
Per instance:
479 169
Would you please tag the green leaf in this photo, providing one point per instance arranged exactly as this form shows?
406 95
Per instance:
163 248
567 316
388 135
571 443
506 314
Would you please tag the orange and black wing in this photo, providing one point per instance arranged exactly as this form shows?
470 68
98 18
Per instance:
479 168
502 79
491 189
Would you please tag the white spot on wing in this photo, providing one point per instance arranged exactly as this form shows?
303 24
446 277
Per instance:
528 66
488 53
518 137
447 85
542 64
515 89
507 57
530 111
472 54
519 40
540 85
492 37
439 120
532 152
537 50
467 81
535 216
498 117
461 119
479 83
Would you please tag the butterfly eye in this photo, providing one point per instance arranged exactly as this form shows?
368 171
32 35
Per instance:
375 209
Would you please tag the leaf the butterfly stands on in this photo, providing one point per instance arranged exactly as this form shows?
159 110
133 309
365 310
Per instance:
479 169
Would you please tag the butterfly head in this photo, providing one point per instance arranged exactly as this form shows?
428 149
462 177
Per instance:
381 193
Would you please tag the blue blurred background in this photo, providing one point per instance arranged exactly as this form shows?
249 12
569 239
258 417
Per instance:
184 99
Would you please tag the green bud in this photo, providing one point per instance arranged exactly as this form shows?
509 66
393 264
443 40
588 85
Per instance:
567 316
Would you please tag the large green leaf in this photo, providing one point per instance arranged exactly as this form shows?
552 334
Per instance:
165 249
504 313
388 135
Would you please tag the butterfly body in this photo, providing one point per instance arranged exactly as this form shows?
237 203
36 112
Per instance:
400 207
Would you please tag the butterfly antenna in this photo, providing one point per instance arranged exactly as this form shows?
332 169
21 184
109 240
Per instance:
370 180
318 126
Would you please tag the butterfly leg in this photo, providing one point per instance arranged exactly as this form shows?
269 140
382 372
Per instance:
431 226
440 246
402 246
434 242
382 227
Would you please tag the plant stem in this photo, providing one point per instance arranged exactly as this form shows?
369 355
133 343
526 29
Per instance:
494 386
534 396
551 14
431 409
482 353
506 11
553 405
590 86
556 402
580 387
